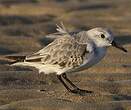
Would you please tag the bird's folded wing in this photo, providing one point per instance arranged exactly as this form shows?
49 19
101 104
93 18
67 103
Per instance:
64 51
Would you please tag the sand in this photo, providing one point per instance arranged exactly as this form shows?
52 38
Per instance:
22 31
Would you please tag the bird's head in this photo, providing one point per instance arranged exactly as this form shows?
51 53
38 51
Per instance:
103 38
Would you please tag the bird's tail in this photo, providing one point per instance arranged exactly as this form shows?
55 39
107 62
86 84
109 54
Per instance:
12 59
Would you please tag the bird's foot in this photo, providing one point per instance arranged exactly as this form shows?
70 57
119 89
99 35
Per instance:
41 90
80 91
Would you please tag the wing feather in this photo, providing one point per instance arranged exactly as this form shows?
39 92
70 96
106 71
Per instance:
64 51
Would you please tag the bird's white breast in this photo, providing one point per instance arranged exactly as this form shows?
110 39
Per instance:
95 57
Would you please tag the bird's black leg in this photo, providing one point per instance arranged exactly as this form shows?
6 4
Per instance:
61 80
75 88
65 85
69 81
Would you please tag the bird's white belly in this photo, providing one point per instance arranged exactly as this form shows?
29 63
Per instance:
46 69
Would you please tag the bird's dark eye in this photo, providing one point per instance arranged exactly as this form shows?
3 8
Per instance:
102 36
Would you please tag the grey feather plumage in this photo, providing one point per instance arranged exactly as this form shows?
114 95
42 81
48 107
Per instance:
64 51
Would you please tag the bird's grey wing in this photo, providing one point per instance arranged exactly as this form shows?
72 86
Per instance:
64 51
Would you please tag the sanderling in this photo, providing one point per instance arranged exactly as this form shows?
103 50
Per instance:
70 53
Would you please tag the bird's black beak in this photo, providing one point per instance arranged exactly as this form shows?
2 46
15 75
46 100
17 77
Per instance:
114 44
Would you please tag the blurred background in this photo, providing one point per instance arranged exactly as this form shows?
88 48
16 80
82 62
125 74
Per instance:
24 25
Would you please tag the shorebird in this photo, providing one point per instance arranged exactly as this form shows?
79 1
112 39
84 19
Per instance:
73 51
